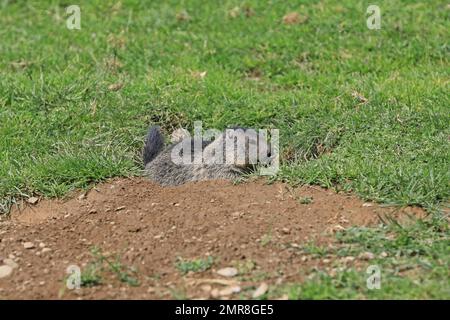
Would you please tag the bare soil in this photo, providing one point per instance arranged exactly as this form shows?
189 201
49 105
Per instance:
255 227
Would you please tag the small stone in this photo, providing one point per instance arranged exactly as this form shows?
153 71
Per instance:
286 230
227 272
33 200
206 288
28 245
44 250
334 229
348 259
367 204
228 291
92 211
383 254
5 271
10 262
236 214
367 256
261 290
82 196
41 245
214 293
326 261
120 208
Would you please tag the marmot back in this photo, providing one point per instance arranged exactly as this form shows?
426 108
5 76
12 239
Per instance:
161 167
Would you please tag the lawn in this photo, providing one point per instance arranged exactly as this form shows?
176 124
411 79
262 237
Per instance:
359 110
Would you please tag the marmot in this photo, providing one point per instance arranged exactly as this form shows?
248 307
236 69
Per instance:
195 159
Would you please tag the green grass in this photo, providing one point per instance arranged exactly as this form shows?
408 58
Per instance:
414 263
196 265
62 128
305 200
91 275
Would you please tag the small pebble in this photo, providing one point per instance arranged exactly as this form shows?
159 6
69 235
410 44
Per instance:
261 290
227 272
28 245
32 200
5 271
367 256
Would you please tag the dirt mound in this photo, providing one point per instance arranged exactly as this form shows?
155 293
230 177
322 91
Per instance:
147 236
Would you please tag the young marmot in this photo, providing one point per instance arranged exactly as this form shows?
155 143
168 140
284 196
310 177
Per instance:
228 155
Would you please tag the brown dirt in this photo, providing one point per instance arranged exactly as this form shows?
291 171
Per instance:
257 227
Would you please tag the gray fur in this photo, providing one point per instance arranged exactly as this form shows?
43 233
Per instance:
154 143
163 170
